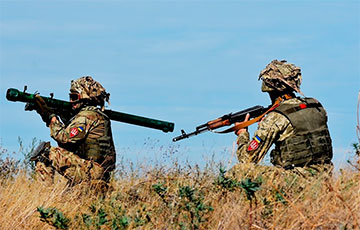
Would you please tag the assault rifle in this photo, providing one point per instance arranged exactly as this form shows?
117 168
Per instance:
64 110
226 120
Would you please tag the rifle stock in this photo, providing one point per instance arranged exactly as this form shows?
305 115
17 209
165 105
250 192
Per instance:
64 110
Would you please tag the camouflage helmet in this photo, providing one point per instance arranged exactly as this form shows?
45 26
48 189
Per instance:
280 76
90 89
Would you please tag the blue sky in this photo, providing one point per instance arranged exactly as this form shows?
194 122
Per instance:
182 61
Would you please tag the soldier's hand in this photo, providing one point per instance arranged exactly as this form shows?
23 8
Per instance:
238 132
42 109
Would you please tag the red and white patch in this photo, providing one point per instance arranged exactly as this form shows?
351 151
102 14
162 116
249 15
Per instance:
253 145
74 132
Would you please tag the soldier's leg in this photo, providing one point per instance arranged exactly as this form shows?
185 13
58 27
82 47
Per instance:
315 171
74 168
44 173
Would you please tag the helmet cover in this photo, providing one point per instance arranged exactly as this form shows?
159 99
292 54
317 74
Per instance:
280 76
90 89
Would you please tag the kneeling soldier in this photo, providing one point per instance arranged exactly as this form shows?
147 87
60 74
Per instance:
86 150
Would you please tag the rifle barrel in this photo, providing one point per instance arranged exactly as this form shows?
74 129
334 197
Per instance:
199 129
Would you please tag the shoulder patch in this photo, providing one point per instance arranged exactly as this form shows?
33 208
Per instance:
254 144
75 131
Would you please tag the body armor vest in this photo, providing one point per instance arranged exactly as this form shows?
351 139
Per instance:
99 149
310 143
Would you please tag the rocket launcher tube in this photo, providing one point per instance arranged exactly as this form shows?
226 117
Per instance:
64 111
16 95
141 121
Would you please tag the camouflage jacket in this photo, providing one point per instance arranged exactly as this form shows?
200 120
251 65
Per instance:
275 128
88 135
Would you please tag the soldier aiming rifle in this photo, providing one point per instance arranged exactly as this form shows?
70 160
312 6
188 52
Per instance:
296 125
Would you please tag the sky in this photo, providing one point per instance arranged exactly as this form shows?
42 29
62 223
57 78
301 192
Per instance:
187 62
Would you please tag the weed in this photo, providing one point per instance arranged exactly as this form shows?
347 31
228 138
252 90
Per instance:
356 147
192 203
280 196
226 183
26 152
250 187
9 167
161 190
355 161
54 217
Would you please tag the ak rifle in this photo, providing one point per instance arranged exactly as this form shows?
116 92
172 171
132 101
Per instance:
256 112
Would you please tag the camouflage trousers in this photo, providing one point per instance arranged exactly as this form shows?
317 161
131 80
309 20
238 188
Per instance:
69 165
252 170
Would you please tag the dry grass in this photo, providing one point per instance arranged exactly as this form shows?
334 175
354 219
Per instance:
189 198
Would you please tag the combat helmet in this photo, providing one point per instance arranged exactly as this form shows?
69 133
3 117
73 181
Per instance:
281 76
89 91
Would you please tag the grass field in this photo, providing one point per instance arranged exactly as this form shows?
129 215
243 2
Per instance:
183 197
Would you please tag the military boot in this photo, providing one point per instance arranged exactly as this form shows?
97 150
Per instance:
41 153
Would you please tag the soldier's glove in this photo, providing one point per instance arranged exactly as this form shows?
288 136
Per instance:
42 109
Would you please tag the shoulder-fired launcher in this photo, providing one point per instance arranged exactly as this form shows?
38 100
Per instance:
64 110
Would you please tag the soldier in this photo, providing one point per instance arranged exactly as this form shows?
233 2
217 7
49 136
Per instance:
86 151
297 125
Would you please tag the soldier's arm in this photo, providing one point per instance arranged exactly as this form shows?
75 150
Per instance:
72 133
269 130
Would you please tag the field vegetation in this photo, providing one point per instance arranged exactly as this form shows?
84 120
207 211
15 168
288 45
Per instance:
182 196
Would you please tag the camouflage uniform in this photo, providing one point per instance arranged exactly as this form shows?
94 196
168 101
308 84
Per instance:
274 127
86 150
313 150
